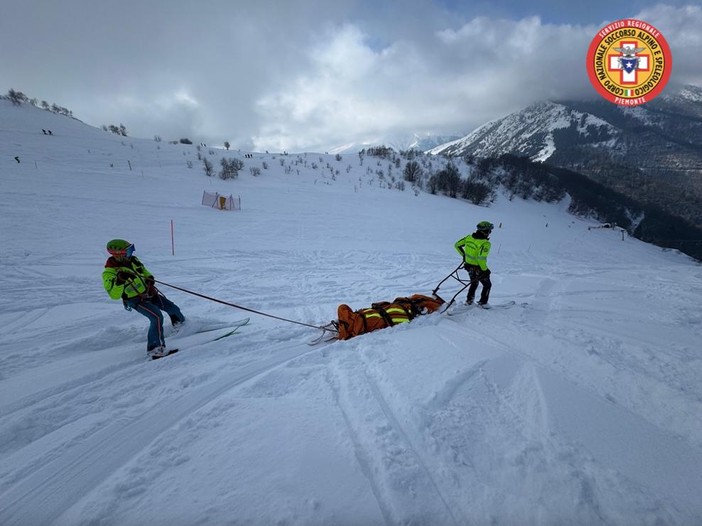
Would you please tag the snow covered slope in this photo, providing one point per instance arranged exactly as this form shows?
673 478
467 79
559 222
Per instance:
582 407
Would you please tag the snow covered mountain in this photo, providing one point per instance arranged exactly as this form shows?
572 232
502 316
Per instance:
652 152
530 133
420 142
580 405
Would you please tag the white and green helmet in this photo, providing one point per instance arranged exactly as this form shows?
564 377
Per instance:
120 248
485 226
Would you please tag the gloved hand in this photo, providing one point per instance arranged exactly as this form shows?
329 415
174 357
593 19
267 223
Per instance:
466 266
122 277
486 272
128 303
151 286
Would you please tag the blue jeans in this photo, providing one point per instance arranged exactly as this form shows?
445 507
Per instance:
151 308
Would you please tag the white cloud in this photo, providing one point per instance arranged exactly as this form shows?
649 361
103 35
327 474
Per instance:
681 29
304 75
450 83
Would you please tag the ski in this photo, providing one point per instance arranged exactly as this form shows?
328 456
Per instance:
187 330
238 325
232 329
168 353
507 305
463 308
489 306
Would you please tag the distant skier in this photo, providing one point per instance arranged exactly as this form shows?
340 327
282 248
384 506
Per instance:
126 278
475 249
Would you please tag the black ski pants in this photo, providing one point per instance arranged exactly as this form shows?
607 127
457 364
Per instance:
478 276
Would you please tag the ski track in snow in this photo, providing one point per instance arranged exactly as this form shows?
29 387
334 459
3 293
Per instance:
393 444
54 487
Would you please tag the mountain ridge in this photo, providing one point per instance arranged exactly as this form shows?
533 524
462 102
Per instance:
652 153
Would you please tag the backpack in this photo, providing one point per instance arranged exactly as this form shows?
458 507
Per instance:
384 314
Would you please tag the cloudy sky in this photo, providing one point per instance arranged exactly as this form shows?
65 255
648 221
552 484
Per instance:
312 75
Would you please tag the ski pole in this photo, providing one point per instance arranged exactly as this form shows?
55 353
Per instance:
240 307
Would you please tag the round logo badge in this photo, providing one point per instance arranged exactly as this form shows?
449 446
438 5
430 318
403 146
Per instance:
629 62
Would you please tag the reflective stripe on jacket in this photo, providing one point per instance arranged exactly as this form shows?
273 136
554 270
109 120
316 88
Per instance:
475 251
133 287
393 314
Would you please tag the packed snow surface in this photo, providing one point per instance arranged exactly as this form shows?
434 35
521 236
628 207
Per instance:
580 405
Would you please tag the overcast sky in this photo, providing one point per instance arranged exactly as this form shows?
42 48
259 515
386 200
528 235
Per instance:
311 75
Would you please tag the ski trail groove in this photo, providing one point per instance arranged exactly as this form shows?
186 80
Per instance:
377 435
23 321
45 394
363 461
680 461
392 419
51 490
116 360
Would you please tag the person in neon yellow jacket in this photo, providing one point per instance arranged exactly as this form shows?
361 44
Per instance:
475 248
126 278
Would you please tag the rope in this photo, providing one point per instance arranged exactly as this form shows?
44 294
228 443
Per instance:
243 308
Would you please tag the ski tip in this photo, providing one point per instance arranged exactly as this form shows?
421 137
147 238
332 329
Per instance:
463 308
170 351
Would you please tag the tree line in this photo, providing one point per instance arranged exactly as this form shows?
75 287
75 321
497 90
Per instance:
17 98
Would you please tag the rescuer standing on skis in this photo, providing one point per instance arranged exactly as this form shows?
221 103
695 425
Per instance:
475 249
126 278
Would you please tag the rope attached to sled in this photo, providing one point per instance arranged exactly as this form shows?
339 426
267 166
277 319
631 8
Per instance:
324 328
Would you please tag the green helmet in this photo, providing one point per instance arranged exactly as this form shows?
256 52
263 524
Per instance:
485 226
120 248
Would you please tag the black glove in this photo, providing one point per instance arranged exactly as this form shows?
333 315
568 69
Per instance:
151 286
466 266
122 277
486 272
